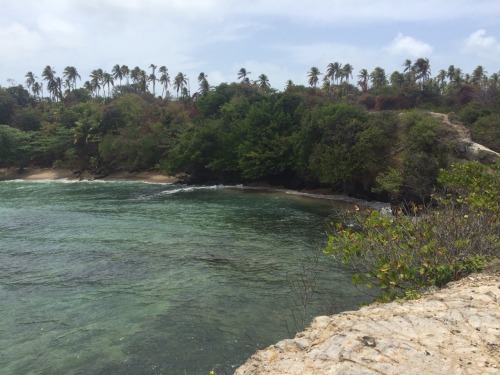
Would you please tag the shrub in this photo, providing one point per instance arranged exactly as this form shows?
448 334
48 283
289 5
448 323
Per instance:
404 254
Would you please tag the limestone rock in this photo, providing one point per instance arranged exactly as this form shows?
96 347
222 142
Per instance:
455 330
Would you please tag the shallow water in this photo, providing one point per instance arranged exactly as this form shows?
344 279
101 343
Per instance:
134 278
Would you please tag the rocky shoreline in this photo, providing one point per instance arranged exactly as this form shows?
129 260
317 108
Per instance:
455 330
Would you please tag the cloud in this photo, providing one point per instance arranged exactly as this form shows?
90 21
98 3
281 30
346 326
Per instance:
479 43
407 46
59 31
17 42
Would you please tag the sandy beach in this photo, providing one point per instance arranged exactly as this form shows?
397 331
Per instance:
33 174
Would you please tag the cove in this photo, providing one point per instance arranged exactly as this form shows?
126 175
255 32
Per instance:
135 278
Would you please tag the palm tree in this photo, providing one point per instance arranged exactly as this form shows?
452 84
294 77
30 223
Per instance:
67 85
243 75
202 76
494 80
152 77
441 76
87 85
96 77
71 74
49 75
451 73
378 77
135 75
125 71
408 65
327 85
117 73
333 70
30 80
441 79
184 92
107 80
58 83
37 89
397 79
204 86
180 81
422 70
363 79
263 81
458 79
142 81
479 75
313 75
289 85
164 79
346 72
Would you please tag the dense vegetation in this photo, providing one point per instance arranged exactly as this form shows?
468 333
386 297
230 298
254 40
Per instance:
404 254
351 138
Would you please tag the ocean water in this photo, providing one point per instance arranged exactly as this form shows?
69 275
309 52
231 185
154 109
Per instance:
135 278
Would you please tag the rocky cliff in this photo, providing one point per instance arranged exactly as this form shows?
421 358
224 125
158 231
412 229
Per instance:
455 330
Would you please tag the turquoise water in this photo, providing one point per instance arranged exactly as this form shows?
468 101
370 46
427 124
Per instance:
134 278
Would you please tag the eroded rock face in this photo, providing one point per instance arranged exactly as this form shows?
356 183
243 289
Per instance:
455 330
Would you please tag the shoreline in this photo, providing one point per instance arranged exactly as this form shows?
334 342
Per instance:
155 177
38 174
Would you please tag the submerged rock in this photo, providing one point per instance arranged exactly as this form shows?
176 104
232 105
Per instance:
455 330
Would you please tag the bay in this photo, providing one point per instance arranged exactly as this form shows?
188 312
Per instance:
135 278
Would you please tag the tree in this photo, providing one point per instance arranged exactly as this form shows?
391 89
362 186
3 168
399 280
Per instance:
143 81
201 77
15 147
479 75
243 75
313 75
458 79
263 81
408 65
346 72
378 77
71 74
96 77
152 77
30 80
117 73
37 89
49 75
125 71
327 85
107 80
397 79
89 87
164 79
135 75
422 70
58 83
180 81
363 79
289 85
204 86
333 71
441 79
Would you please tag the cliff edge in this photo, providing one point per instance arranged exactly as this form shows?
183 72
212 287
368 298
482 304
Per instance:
455 330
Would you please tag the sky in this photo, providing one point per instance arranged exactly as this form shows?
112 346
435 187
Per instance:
280 38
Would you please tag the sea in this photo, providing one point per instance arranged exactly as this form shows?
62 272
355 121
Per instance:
134 278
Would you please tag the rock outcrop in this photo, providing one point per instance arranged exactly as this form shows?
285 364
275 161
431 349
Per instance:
463 141
455 330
